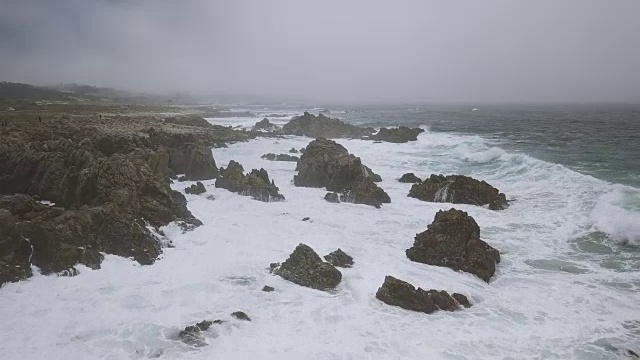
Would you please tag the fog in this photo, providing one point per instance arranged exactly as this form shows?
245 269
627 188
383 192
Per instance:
330 50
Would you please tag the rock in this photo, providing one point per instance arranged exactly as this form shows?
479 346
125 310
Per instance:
304 267
196 189
306 219
264 125
293 151
332 197
458 189
211 197
279 157
191 335
195 161
189 120
365 192
402 134
241 316
339 258
268 288
326 163
453 240
396 292
302 150
273 267
410 178
322 126
255 184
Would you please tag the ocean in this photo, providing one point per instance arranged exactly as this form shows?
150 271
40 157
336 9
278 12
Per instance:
568 286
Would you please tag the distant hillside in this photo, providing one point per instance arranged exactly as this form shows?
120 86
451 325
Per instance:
24 92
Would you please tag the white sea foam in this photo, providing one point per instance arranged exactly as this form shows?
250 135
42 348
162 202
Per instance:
531 308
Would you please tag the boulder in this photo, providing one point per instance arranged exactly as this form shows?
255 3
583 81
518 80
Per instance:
410 178
453 240
293 151
305 267
196 189
279 157
339 258
326 163
195 161
399 293
332 197
268 288
459 189
192 335
255 184
365 192
241 316
264 125
322 126
402 134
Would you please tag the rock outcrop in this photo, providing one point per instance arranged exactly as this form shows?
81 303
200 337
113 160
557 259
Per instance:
459 189
305 267
326 163
399 293
196 189
339 258
402 134
194 161
189 120
322 126
365 192
279 157
453 240
265 125
255 184
410 178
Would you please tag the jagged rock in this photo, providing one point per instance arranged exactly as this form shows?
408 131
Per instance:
192 334
196 189
195 161
241 316
326 163
396 292
322 126
268 288
189 120
293 151
305 267
339 258
459 189
453 240
365 192
279 157
410 178
255 184
402 134
306 219
332 197
264 125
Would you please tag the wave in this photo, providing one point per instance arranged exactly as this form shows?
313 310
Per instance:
617 213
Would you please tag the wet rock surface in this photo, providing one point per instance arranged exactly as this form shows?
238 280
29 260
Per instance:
453 240
196 189
332 197
402 134
410 178
322 126
459 189
279 157
265 125
255 184
305 267
339 258
399 293
365 192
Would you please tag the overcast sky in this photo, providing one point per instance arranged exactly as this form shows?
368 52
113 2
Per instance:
542 50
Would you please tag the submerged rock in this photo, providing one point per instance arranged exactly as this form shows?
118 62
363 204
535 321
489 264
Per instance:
410 178
326 163
279 157
458 189
402 134
453 240
396 292
305 267
255 184
365 192
191 335
196 189
339 258
322 126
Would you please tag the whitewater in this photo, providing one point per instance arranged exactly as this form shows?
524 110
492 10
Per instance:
567 286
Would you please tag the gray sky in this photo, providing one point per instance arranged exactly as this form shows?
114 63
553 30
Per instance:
543 50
